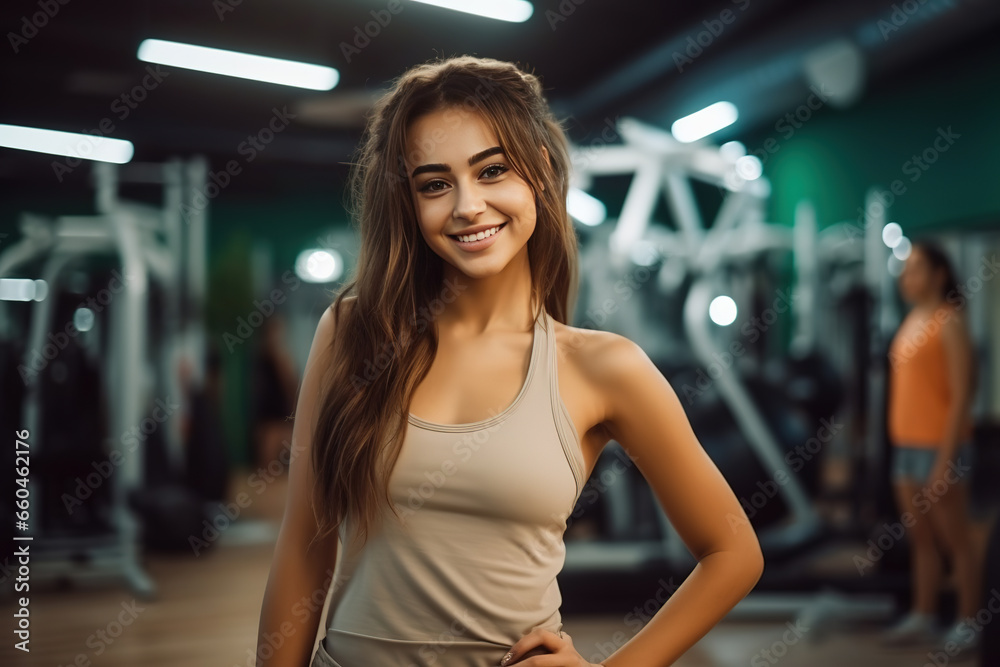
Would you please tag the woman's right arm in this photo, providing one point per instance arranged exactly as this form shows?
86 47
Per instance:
288 627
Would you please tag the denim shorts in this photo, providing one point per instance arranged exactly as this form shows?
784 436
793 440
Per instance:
916 463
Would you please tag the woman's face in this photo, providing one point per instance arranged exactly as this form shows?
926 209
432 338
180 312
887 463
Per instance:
918 280
462 183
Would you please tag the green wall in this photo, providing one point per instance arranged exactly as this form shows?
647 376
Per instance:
837 154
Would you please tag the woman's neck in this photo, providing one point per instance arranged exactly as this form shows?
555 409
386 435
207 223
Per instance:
929 304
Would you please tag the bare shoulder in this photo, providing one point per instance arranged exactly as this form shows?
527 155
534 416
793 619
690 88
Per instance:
323 351
598 354
329 322
602 361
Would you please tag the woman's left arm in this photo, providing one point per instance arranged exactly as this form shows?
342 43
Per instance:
958 355
645 416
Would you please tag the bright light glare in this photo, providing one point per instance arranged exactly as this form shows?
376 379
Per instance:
902 249
749 167
83 319
22 289
722 310
319 266
68 144
240 65
703 123
892 234
732 150
585 207
515 11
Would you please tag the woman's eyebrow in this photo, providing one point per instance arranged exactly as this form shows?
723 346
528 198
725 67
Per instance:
481 155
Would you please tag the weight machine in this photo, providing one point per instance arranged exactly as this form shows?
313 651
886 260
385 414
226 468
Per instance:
662 166
162 247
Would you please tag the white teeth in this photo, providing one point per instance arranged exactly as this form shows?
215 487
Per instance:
467 238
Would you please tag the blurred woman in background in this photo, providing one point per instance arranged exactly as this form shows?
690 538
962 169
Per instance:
932 380
275 385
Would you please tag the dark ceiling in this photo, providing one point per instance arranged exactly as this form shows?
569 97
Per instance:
597 59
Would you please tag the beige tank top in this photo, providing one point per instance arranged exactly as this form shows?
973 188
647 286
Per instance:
472 565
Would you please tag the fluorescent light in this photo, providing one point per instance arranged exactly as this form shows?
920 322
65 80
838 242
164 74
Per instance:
240 65
722 310
703 123
22 289
69 144
586 208
515 11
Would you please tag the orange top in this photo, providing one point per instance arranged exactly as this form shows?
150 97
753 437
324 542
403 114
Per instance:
919 388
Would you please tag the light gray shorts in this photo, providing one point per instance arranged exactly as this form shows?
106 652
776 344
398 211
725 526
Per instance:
915 463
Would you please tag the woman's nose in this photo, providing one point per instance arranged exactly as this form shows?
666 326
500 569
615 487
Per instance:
469 202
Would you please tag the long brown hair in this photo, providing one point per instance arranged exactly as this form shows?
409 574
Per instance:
384 344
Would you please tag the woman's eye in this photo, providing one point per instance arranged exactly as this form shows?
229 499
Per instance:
428 187
491 171
501 169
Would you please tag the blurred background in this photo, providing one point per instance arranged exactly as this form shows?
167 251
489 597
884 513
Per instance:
746 172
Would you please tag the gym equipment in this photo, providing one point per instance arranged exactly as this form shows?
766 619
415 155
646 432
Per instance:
145 269
708 256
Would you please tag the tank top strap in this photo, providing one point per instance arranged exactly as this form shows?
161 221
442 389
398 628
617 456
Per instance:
554 404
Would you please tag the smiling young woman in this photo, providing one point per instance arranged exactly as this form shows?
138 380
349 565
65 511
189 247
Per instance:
444 480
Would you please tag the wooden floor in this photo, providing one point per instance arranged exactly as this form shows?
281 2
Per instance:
208 608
